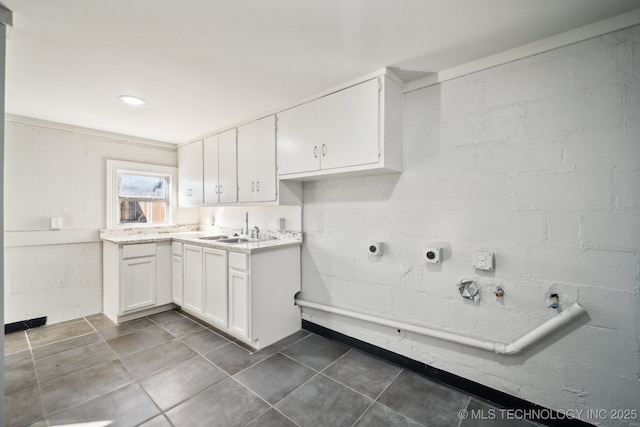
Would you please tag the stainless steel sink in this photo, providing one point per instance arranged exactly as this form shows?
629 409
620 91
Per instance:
238 240
213 238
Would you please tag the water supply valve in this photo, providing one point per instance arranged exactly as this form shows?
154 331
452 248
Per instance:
498 292
468 289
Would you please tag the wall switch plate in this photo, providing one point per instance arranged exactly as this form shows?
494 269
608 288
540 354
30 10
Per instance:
56 223
483 261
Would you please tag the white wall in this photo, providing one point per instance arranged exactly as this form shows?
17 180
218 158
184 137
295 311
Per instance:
264 217
537 161
58 170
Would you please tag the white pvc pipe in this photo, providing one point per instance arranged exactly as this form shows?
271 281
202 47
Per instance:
551 325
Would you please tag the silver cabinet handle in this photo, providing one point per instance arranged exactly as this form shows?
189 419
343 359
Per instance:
253 187
315 151
257 185
324 150
219 189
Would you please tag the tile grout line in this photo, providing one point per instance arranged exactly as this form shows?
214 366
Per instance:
35 368
375 400
198 354
466 407
321 373
135 379
261 398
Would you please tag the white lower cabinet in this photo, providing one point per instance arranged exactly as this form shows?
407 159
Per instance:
138 283
239 303
176 273
193 292
135 279
248 296
216 309
262 288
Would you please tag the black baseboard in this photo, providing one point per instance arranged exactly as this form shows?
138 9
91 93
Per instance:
488 394
23 325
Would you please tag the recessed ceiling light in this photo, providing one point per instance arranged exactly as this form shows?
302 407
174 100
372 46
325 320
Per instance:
132 100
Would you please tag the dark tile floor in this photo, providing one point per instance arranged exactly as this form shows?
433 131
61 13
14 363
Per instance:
167 369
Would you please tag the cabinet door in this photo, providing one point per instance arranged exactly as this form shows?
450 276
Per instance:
176 272
298 139
190 177
265 156
164 275
138 283
239 303
257 161
350 126
215 287
227 168
210 169
193 286
246 162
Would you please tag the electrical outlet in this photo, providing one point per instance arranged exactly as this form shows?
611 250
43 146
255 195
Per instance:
432 255
56 223
483 261
375 248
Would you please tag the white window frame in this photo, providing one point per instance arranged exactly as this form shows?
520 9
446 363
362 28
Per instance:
116 167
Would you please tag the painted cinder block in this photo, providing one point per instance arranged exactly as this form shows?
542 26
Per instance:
541 167
563 191
617 230
602 268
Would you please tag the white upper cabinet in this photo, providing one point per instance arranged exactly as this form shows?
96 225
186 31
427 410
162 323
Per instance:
257 161
354 130
349 134
190 174
299 139
220 162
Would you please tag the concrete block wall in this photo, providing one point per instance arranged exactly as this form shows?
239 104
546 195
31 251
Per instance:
537 161
56 170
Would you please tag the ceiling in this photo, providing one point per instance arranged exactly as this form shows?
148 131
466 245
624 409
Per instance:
202 65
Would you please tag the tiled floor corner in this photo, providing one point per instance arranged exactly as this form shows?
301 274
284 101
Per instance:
168 370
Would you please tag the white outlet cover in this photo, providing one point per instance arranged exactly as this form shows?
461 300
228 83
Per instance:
483 261
374 248
432 255
56 223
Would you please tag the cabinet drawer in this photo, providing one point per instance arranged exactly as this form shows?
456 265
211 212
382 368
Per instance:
239 261
135 251
176 249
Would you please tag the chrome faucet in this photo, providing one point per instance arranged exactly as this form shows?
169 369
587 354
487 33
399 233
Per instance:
246 222
255 232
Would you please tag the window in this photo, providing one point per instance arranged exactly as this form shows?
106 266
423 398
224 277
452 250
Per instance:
142 198
139 194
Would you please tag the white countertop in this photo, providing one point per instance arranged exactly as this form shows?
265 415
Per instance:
193 237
